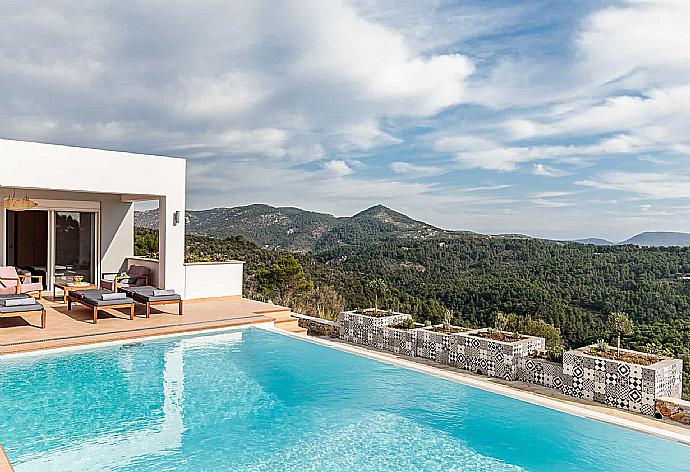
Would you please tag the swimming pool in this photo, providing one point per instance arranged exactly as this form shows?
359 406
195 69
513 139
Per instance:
256 400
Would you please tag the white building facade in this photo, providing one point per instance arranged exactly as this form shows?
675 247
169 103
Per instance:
82 221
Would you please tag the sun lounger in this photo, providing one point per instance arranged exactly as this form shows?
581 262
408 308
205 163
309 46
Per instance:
20 304
100 300
149 295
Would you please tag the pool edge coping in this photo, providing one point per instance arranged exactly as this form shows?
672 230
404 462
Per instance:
119 342
507 391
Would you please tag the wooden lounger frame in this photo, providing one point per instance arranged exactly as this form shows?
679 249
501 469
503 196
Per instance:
42 311
161 302
96 308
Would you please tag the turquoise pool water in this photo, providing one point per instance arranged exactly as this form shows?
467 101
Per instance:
253 400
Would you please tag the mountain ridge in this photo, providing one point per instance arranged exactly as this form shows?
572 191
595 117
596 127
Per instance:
294 229
303 231
646 238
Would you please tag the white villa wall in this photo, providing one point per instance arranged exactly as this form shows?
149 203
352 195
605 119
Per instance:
213 279
117 233
116 218
115 179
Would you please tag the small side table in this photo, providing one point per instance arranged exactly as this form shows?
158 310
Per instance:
68 287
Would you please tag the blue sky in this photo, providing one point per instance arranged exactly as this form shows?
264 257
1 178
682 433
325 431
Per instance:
550 118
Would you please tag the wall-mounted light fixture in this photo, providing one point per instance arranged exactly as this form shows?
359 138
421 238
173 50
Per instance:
176 218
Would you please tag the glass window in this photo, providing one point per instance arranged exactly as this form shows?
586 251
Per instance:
74 246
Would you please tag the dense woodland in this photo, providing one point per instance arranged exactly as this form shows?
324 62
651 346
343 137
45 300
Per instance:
573 287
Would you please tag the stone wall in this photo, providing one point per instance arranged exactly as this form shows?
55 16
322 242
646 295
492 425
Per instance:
318 326
673 409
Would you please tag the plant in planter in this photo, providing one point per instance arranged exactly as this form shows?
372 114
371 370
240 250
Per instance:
379 287
555 353
497 335
551 354
619 324
405 324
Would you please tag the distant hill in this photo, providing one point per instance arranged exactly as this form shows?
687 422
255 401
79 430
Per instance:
649 238
595 241
299 230
659 238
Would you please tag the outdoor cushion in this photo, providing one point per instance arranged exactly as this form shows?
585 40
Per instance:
21 308
8 290
18 301
146 294
138 270
160 293
113 296
8 272
93 298
32 286
110 284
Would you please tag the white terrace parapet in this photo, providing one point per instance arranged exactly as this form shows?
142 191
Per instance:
201 279
213 279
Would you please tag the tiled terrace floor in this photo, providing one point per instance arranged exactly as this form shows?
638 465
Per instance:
75 327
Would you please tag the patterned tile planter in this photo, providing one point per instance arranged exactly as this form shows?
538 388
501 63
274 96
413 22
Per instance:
494 358
621 384
398 341
361 328
440 347
540 372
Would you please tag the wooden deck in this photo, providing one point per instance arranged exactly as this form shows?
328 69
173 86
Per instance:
75 327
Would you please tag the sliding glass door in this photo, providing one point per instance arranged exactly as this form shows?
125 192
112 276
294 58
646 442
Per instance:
75 246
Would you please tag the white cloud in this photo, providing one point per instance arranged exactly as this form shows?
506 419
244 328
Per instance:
649 38
322 73
337 168
480 153
649 184
363 136
230 94
547 171
545 202
552 194
416 170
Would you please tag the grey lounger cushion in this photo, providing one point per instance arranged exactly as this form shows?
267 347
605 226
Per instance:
21 308
18 301
163 293
95 298
146 294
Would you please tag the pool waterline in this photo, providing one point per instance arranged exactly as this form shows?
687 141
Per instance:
452 376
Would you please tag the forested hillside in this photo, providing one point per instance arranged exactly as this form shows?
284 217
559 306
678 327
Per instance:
569 285
297 230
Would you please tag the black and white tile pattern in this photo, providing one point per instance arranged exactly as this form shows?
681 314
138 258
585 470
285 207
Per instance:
619 384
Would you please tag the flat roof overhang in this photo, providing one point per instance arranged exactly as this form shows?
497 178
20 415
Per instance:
47 167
